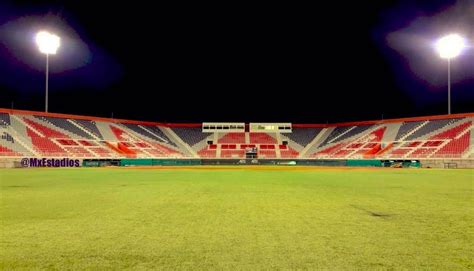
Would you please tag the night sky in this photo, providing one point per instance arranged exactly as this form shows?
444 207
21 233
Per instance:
331 61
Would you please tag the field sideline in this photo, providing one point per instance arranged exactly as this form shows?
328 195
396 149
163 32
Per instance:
250 218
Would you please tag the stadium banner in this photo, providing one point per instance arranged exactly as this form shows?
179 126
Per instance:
225 162
177 162
136 162
322 162
100 162
160 162
439 163
282 162
364 163
248 162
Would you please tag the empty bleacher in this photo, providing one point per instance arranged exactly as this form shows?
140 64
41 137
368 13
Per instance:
407 127
90 126
4 151
236 138
4 119
430 127
267 154
43 130
232 153
160 134
45 145
447 139
336 132
303 136
66 125
287 152
145 133
191 135
352 132
11 146
50 135
455 148
262 138
208 152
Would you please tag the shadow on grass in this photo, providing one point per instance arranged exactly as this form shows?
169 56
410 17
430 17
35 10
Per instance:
372 213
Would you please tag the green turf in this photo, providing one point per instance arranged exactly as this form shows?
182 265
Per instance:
236 219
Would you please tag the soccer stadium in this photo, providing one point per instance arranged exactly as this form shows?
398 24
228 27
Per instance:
437 141
236 195
174 182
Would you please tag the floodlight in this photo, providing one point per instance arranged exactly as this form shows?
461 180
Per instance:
47 43
450 46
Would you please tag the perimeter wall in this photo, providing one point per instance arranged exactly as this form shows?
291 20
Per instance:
428 163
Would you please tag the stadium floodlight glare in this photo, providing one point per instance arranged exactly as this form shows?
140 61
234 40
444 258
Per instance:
48 44
449 47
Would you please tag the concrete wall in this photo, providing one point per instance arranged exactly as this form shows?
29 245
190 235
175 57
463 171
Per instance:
9 162
443 163
433 163
16 162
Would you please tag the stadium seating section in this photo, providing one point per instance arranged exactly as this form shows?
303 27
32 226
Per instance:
50 135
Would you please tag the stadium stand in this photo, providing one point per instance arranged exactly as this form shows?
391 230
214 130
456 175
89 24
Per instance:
351 132
4 119
267 154
208 152
9 146
287 152
430 127
142 131
408 127
337 132
303 136
236 138
262 138
25 133
191 135
232 153
449 139
89 125
66 125
163 138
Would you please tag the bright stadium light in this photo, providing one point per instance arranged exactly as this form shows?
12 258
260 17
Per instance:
449 47
48 44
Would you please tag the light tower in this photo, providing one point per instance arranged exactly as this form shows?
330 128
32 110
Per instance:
48 44
449 47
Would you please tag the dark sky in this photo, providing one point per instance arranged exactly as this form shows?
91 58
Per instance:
329 62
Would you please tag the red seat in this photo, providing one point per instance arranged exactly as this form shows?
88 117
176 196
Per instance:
262 138
233 138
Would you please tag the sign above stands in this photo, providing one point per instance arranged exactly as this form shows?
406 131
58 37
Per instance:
270 127
239 127
212 127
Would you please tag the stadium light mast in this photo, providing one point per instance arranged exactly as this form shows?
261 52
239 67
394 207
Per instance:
48 44
449 47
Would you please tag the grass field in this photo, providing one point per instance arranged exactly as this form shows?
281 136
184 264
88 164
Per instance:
237 218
